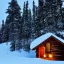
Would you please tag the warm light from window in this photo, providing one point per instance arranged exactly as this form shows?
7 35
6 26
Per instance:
50 56
44 55
48 47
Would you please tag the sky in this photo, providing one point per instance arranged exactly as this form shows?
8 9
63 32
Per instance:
4 5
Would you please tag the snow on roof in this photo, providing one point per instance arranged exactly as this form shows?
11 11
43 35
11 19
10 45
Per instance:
42 38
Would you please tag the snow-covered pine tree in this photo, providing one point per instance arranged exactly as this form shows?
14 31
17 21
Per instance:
29 20
0 36
18 44
23 25
14 22
50 15
50 21
12 48
29 15
33 24
63 17
1 31
26 26
5 35
39 19
59 15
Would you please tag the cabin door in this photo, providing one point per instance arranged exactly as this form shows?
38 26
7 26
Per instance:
42 52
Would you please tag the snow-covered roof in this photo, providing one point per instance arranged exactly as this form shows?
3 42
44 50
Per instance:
42 38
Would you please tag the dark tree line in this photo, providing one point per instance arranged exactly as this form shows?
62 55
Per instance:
21 28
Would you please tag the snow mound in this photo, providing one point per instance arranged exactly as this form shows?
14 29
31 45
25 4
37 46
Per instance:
6 50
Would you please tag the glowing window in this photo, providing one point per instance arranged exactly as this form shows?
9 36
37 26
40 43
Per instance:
48 47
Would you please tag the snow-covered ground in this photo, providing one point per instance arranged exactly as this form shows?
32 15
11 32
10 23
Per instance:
7 57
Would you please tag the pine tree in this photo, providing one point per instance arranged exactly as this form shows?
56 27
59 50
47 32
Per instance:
0 36
1 31
39 19
12 47
33 35
59 15
27 26
18 44
23 25
5 35
13 22
50 19
23 18
26 30
25 22
29 20
63 17
14 25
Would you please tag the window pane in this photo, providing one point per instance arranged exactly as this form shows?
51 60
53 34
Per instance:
48 47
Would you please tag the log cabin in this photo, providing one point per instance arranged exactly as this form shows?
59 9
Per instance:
49 47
